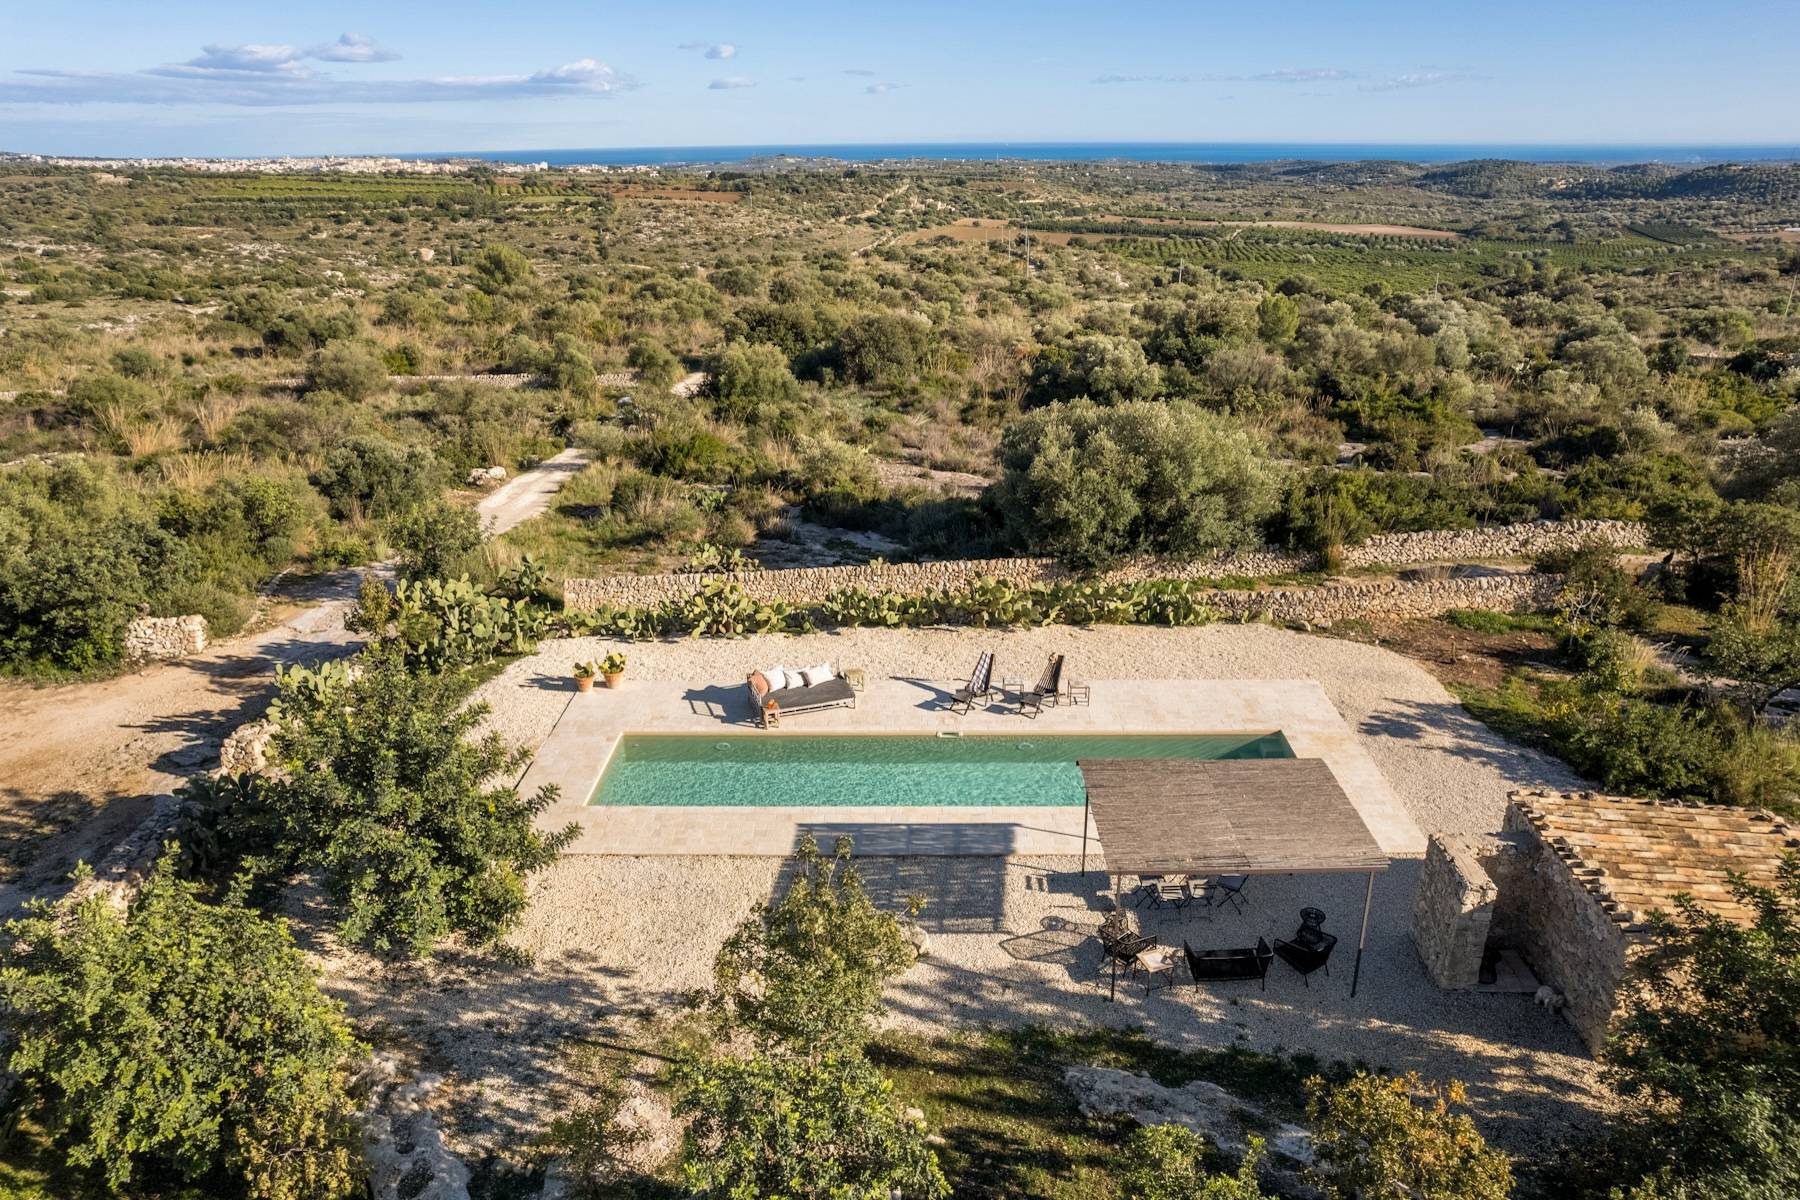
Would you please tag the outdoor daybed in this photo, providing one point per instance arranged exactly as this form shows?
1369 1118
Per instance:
772 704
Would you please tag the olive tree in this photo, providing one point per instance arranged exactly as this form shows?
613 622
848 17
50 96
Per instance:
1088 483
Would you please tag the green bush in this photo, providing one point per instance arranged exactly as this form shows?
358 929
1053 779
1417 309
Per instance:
435 539
347 369
413 819
373 477
184 1041
771 1125
1170 1162
1371 1138
1705 1051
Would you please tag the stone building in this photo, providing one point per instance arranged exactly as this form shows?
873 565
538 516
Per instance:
1570 883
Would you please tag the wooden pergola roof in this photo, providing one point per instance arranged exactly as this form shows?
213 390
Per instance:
1266 816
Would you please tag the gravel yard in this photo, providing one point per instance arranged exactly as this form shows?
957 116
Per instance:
611 937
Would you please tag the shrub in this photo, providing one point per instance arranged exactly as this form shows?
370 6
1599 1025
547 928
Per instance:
373 477
808 970
751 383
1370 1139
412 818
435 539
1706 1051
777 1126
656 367
186 1038
348 369
1169 1162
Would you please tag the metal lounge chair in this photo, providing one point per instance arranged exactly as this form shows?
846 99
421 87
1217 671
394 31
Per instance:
979 687
1172 890
1032 703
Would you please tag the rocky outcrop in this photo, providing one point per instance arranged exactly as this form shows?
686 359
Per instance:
402 1144
1206 1108
810 585
156 639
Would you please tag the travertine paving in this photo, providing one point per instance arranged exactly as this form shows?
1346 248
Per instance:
575 755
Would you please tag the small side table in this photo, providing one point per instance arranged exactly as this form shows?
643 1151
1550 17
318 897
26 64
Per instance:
1077 693
854 677
1157 960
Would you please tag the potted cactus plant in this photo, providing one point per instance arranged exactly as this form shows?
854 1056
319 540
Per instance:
584 676
612 668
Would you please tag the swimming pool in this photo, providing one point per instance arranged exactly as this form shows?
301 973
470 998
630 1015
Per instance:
788 770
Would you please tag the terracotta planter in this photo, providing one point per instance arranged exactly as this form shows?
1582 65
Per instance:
584 683
612 678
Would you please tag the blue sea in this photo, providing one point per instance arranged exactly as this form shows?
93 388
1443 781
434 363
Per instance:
1184 152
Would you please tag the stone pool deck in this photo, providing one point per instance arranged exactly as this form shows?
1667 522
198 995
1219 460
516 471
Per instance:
576 752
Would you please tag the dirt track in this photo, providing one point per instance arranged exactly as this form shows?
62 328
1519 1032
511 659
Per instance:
82 763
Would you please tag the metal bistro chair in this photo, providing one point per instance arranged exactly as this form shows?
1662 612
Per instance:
1220 890
1172 890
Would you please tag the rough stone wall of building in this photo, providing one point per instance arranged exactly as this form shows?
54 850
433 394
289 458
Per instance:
1452 908
153 639
809 585
1571 942
1468 898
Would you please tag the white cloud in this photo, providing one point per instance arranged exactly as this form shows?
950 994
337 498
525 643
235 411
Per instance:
880 89
1416 79
731 83
352 48
1305 75
261 76
1286 75
715 50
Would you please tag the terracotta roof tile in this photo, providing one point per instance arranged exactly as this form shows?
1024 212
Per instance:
1635 856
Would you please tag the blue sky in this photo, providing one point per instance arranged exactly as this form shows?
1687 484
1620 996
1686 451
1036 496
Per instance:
186 77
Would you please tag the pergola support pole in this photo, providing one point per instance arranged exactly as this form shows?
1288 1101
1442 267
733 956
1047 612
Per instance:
1084 829
1363 939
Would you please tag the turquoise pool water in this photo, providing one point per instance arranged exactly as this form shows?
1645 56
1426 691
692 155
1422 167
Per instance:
785 770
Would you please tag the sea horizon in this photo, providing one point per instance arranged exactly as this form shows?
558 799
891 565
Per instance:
1607 154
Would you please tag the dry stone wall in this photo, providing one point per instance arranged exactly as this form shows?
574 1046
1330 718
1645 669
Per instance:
810 585
153 639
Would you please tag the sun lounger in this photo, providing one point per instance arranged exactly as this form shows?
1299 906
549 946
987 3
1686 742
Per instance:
1032 703
979 687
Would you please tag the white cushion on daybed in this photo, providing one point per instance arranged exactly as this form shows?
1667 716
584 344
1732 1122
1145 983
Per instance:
778 679
814 676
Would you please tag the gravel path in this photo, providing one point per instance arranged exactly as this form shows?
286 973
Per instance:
1010 938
